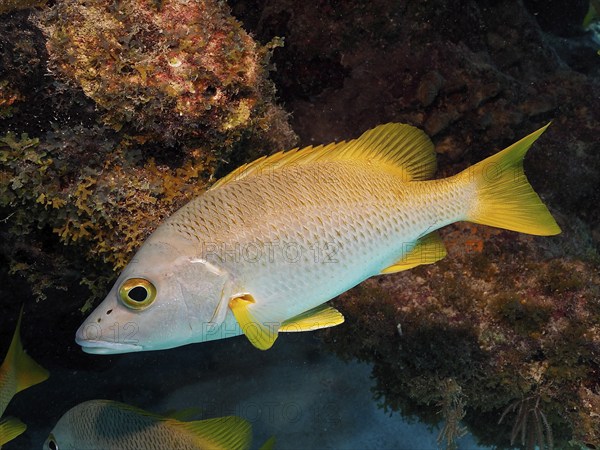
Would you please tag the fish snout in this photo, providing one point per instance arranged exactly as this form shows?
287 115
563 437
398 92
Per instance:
107 338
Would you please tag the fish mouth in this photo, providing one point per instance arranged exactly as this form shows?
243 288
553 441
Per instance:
107 348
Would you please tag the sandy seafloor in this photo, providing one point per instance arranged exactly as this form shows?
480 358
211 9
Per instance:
297 391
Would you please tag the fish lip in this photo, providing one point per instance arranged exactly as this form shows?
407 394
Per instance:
107 348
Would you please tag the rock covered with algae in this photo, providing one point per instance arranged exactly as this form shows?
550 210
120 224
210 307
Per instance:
8 6
173 69
501 316
94 192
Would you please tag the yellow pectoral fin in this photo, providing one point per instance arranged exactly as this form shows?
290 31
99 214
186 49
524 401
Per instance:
10 428
429 249
260 333
323 316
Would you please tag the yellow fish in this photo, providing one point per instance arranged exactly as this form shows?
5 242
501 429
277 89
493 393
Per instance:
109 425
18 372
266 246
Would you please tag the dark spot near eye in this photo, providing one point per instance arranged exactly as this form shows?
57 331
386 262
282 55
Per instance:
99 319
138 294
108 312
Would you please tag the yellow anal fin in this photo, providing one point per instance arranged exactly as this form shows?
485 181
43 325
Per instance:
223 433
260 334
28 372
429 249
10 428
323 316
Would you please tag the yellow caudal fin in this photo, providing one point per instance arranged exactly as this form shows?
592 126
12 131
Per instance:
504 197
26 370
10 428
222 433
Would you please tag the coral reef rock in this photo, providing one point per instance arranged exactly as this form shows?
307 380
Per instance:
175 69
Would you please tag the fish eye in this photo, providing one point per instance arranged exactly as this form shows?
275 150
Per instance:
52 445
137 293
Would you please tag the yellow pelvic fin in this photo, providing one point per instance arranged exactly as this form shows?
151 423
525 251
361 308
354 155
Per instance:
10 428
261 334
405 149
505 199
28 372
226 433
323 316
429 249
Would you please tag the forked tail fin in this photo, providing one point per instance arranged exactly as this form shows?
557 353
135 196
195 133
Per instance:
10 428
504 197
26 370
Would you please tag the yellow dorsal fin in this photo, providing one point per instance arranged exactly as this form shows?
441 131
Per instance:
226 433
26 370
403 147
261 334
323 316
429 249
10 428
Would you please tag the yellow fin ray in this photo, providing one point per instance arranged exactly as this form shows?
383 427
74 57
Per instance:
226 433
261 334
505 199
28 372
269 444
10 428
429 249
323 316
404 148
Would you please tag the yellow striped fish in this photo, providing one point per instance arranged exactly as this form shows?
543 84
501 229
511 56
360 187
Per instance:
109 425
263 250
